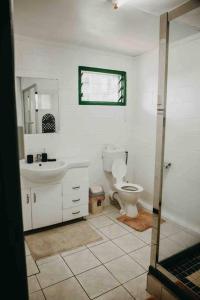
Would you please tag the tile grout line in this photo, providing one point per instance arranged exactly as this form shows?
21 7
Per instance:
121 285
59 280
107 270
113 274
114 220
101 263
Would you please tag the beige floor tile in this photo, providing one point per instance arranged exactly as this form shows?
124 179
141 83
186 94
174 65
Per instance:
137 287
31 266
142 256
169 228
68 289
117 294
69 252
81 261
109 209
33 284
168 248
104 239
47 259
124 268
91 216
100 221
53 272
145 236
107 251
114 215
113 231
36 296
97 281
129 242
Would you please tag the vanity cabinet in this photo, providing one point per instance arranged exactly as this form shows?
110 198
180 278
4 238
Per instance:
48 204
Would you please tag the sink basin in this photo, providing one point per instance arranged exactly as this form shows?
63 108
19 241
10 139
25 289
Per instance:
44 172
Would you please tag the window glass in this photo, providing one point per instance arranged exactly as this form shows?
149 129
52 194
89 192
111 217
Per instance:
101 86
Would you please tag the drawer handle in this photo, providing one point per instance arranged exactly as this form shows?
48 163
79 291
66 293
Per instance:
27 198
76 200
75 213
76 187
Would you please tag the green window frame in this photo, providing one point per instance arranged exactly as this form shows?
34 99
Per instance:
121 101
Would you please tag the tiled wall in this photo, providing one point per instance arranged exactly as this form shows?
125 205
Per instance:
84 129
181 182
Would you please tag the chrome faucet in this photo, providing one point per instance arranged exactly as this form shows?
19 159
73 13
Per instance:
38 157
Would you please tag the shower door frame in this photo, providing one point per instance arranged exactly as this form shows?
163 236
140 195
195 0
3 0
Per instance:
165 20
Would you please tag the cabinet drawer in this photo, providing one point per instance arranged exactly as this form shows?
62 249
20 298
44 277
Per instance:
75 212
75 181
75 199
75 190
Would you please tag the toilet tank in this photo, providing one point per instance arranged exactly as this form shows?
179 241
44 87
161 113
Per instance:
110 153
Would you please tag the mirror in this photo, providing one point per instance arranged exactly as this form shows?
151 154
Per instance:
37 104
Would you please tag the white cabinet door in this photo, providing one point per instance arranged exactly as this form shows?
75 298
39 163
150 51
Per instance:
26 209
46 205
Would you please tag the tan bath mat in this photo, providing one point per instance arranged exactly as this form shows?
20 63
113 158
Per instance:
61 239
142 222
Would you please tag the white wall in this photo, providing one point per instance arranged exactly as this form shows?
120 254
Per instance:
181 193
83 129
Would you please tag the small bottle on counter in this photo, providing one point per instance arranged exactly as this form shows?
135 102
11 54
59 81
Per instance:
29 159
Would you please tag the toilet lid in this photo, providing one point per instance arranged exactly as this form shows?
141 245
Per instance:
119 169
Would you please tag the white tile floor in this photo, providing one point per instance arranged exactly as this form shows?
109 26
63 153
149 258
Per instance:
113 268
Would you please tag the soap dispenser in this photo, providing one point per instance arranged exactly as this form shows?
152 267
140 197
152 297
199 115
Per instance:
44 156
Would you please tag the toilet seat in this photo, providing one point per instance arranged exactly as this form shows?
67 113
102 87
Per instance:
129 187
119 171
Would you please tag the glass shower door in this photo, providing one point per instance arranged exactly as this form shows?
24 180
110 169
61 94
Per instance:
177 213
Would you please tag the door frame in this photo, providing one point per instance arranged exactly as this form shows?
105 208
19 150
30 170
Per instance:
13 266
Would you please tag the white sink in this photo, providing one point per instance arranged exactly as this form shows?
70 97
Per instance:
44 172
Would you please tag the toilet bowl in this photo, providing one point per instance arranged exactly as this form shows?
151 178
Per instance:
129 193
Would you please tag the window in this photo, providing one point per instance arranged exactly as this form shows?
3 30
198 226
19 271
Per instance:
101 87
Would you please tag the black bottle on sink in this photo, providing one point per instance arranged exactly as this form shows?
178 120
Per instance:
29 159
44 156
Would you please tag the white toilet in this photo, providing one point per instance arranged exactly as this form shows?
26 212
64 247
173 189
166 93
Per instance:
128 193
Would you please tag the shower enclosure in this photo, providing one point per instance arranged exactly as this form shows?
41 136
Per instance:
174 271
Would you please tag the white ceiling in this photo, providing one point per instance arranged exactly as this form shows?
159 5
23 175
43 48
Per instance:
132 29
